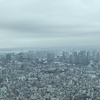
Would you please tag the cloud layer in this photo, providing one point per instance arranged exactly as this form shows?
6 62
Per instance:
47 23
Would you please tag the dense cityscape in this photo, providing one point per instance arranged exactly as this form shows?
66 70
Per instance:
50 75
49 49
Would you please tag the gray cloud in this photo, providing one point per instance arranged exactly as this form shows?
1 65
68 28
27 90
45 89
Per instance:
49 23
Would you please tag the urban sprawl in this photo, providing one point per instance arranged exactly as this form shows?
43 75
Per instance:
50 75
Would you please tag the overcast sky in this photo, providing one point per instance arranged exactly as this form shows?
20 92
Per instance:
49 23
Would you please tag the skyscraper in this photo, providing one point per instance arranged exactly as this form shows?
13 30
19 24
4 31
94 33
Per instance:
0 82
0 73
50 57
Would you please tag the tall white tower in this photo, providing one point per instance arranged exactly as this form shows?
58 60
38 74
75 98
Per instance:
0 72
0 83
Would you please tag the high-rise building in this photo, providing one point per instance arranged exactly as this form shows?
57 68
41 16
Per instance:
0 82
88 56
0 72
50 57
82 57
64 55
8 57
75 57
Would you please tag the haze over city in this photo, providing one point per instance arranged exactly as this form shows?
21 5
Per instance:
49 23
49 50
